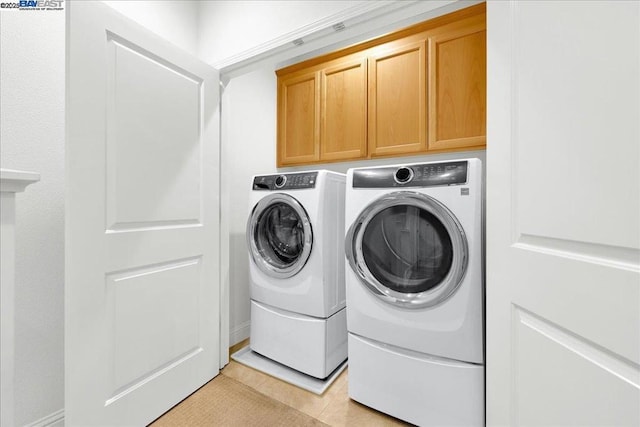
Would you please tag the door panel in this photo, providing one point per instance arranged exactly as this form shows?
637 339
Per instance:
343 134
457 85
299 125
580 364
397 98
563 202
142 221
144 339
145 196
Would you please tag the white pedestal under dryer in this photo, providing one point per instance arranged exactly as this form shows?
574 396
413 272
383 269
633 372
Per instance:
415 289
295 236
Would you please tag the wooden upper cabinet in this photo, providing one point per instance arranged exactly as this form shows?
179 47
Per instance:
298 119
457 86
397 99
343 104
421 89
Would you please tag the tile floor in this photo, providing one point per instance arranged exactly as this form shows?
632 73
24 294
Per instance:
333 407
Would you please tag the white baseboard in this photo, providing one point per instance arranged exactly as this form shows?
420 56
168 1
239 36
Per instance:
239 333
55 419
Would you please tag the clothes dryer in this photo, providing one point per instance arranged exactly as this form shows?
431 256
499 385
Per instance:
414 246
295 236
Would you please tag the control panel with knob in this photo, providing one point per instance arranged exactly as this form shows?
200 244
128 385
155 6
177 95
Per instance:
418 175
287 181
403 175
281 180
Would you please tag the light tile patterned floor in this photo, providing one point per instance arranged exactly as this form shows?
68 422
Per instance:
334 407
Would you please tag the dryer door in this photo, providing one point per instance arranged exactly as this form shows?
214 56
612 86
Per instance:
279 235
408 249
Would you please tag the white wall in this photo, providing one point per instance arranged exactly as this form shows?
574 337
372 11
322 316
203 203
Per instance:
32 138
175 21
248 135
32 74
228 28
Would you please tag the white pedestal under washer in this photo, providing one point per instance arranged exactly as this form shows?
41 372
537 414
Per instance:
295 236
415 289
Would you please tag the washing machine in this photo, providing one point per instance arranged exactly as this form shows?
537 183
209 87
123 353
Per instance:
295 236
414 250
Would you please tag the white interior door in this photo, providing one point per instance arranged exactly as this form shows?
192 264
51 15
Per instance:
142 221
563 213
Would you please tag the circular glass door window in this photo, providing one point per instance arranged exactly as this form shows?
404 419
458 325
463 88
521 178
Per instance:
408 249
279 234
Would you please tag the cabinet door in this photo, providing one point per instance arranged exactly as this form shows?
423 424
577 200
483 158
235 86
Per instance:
397 99
298 119
457 86
343 132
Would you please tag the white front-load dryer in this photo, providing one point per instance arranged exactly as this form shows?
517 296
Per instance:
414 247
295 237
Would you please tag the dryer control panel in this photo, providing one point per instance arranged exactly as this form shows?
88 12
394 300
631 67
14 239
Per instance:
418 175
285 181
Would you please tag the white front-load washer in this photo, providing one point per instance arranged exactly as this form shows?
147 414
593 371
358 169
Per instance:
295 236
414 247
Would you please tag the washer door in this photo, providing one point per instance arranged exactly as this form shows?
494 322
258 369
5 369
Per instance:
408 249
279 235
